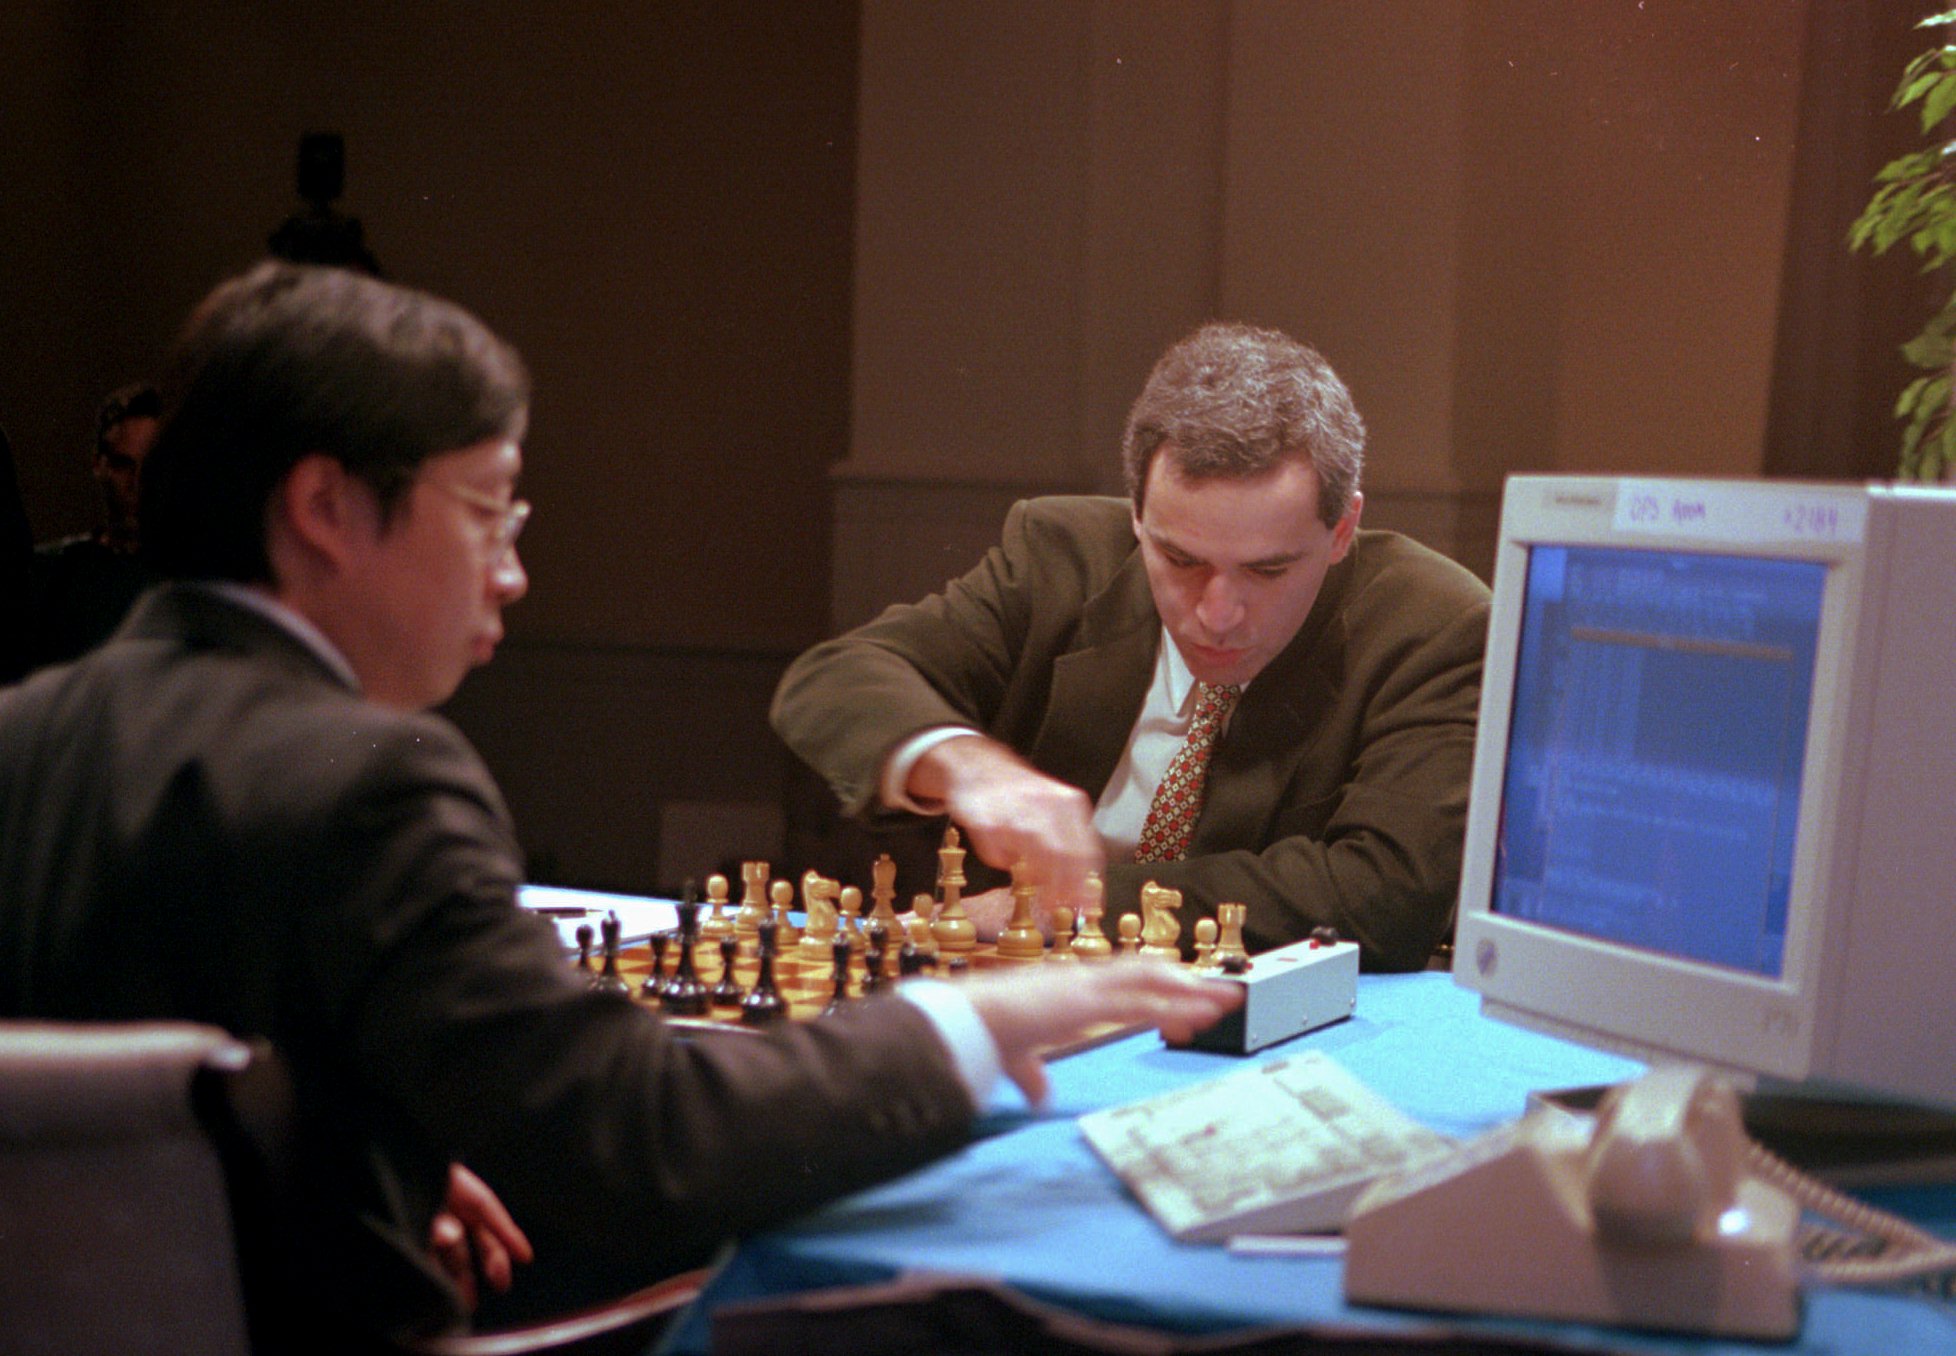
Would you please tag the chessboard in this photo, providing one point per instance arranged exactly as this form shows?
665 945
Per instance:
746 966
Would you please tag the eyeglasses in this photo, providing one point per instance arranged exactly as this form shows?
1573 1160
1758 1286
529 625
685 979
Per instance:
509 518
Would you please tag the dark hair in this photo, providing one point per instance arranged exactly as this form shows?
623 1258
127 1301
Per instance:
287 361
138 401
1233 400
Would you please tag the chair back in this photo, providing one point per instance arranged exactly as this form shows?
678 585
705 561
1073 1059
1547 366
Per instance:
115 1222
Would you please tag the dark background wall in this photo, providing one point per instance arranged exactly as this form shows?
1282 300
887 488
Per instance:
786 264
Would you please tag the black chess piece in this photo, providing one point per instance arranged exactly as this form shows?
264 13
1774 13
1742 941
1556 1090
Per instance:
911 960
608 980
727 993
585 937
764 1004
1235 965
873 958
685 995
841 950
654 987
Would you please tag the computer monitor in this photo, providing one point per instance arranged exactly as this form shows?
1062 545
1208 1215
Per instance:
1713 812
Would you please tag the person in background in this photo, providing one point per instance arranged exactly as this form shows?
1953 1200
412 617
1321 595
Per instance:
82 587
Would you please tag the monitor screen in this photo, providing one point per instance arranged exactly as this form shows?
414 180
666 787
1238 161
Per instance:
1655 747
1713 812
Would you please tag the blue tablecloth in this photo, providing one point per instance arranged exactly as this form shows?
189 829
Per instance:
1031 1204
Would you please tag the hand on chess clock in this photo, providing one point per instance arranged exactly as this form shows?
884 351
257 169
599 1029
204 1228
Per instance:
473 1235
1011 812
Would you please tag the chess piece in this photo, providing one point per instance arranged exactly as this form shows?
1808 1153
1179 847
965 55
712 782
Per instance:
727 993
874 956
764 1004
1205 943
1089 942
585 937
654 987
753 900
717 923
1229 935
916 957
608 980
1161 930
1130 944
1021 939
1063 937
684 995
882 891
819 913
840 967
956 934
850 908
783 895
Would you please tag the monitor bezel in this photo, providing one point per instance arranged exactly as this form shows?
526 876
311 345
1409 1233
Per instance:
1647 1002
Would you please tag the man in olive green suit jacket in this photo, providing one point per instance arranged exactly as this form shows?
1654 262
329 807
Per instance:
1337 794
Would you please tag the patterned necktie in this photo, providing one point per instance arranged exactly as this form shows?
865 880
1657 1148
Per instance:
1177 804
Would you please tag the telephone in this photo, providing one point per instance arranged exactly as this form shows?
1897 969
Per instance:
1657 1212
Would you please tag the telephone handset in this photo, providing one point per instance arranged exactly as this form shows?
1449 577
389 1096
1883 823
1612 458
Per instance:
1657 1212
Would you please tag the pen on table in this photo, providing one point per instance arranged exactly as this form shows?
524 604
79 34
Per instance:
562 911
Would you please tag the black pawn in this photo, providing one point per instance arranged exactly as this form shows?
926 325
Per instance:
585 937
911 960
685 996
608 980
841 997
873 955
764 1005
727 993
654 987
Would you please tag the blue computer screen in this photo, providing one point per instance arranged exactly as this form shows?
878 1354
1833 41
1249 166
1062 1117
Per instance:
1655 748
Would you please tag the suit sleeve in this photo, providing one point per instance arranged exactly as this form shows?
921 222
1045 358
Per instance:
1373 849
845 705
610 1139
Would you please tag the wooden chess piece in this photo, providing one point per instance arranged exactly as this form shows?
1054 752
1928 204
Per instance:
585 939
717 923
850 907
727 993
1130 929
685 996
764 1004
1063 937
956 934
753 900
608 980
1229 933
654 987
1161 930
783 896
874 956
917 956
821 919
1205 944
840 968
1089 942
882 890
1021 940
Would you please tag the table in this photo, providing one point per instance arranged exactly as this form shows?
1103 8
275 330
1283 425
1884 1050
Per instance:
1030 1203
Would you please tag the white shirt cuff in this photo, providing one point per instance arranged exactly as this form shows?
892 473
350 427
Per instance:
896 772
973 1051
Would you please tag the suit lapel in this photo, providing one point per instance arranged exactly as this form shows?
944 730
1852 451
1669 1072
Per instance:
1276 727
1098 688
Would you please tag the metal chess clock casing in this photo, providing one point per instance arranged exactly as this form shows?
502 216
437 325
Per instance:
1289 991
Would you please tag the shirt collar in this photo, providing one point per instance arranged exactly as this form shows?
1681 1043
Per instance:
292 623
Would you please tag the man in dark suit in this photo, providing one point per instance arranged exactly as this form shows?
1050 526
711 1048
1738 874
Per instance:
237 812
1042 701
